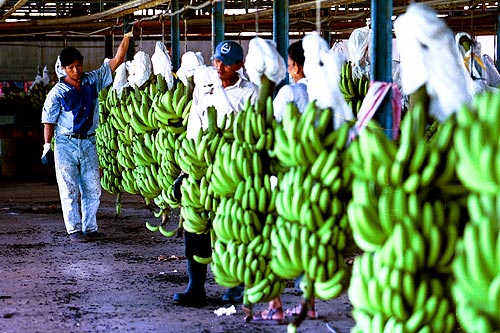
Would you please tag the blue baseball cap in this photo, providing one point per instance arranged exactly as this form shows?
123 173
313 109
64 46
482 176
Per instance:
228 52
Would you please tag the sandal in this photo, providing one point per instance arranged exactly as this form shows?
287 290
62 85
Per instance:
295 312
270 316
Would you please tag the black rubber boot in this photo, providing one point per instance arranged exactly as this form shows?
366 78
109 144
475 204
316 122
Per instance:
194 295
233 295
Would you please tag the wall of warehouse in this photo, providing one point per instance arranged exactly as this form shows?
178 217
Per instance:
19 61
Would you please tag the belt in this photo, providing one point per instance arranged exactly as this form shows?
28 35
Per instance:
80 136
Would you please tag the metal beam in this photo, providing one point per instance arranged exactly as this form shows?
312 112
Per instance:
127 8
18 5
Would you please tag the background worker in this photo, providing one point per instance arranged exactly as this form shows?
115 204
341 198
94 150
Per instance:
296 93
70 115
471 53
223 87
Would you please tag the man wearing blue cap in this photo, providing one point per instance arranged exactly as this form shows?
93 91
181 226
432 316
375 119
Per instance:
224 87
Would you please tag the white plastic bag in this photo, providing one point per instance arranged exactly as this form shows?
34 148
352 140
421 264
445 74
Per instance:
120 81
58 68
358 45
340 52
430 57
207 86
322 69
492 75
38 78
45 76
162 64
139 69
264 59
207 80
190 61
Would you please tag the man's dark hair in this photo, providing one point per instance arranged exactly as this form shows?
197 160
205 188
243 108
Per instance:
296 52
69 55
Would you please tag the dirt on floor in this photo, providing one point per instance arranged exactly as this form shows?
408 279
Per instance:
123 283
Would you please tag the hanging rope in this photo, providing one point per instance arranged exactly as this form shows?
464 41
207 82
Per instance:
185 35
162 30
256 19
318 16
140 38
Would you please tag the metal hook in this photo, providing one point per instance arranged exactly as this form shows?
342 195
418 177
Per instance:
185 35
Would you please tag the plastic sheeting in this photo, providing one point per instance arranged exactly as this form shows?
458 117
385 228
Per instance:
264 59
322 69
190 61
139 69
430 58
162 64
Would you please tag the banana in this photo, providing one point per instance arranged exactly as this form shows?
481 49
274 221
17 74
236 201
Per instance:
167 233
152 227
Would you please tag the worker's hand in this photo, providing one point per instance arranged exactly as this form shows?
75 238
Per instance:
128 25
47 154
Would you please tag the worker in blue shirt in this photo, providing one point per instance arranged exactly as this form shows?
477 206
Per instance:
70 116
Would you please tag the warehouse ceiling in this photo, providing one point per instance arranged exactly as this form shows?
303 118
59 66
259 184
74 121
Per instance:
47 19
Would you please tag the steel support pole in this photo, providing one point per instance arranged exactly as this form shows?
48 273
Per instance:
176 37
218 29
281 27
381 57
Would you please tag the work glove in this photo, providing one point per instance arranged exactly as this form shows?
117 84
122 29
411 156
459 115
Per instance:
177 185
47 154
128 25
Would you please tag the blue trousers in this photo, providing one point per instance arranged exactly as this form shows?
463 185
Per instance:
78 179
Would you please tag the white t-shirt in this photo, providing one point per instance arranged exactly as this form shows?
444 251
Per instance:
295 93
225 100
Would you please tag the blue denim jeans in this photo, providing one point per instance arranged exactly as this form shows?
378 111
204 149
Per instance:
78 179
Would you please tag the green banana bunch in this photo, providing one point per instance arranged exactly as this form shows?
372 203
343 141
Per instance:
195 157
37 94
476 144
107 147
407 212
311 231
254 128
300 138
238 175
476 266
353 89
128 182
235 262
388 299
144 146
